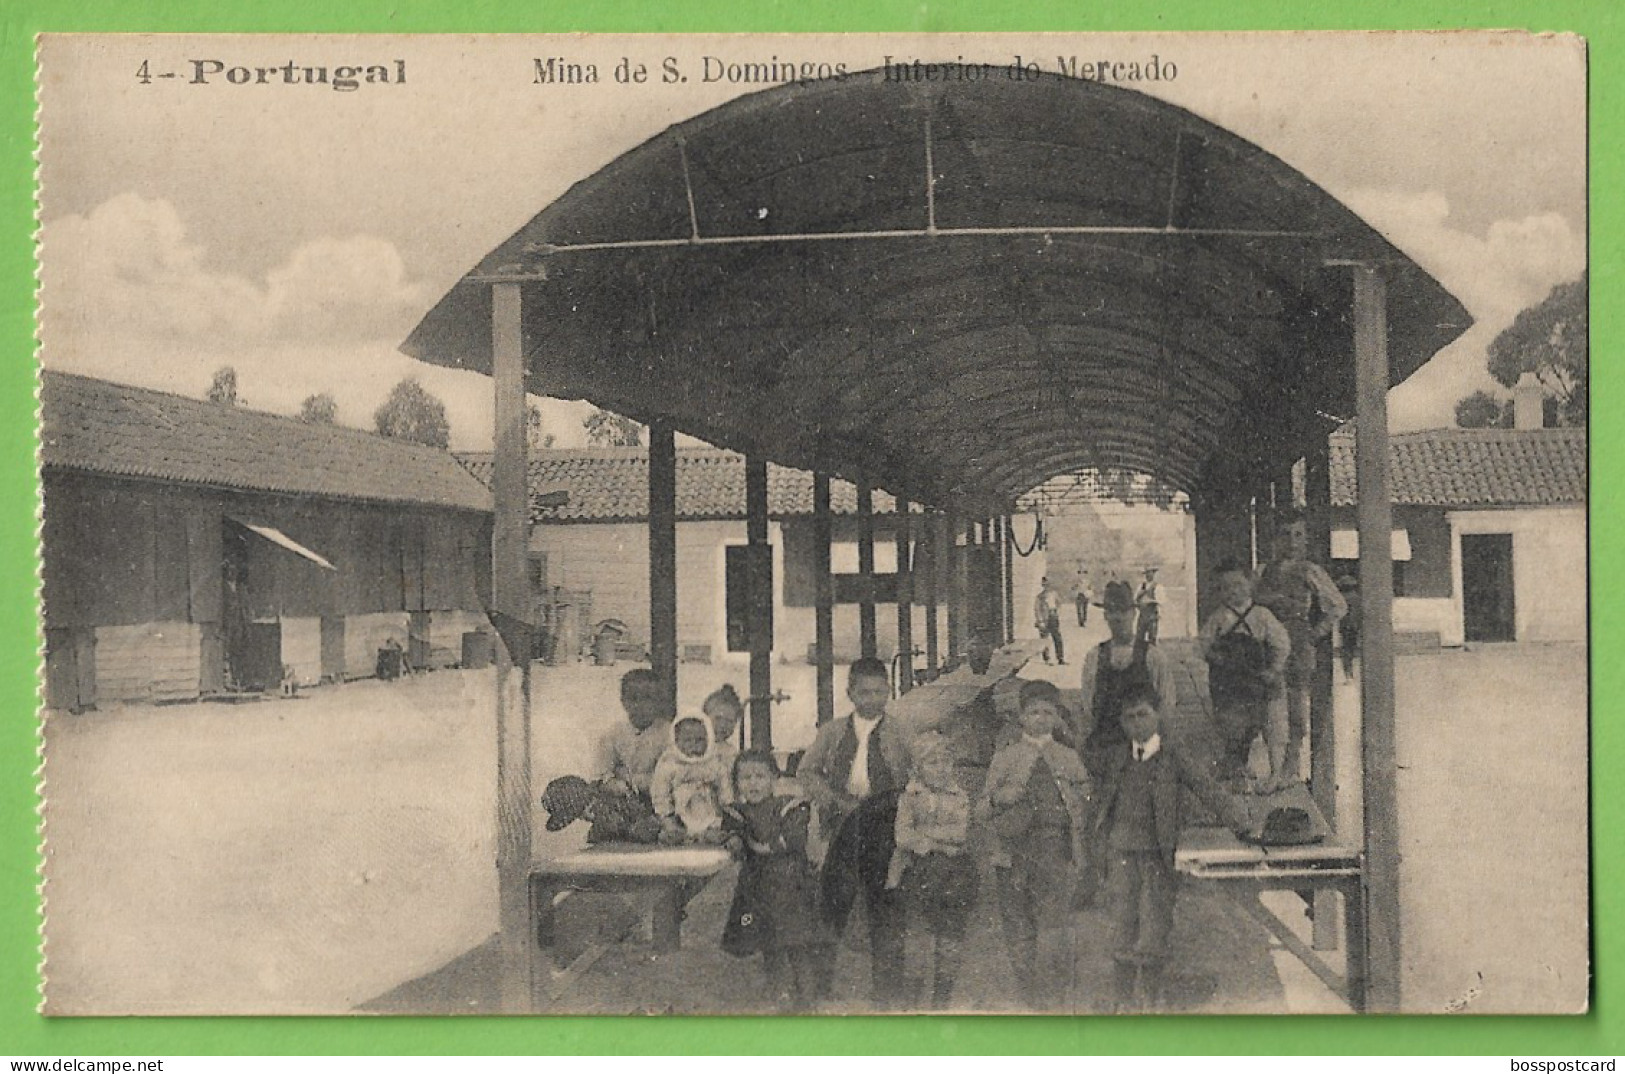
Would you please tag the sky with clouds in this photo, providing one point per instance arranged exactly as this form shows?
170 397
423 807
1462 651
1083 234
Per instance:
298 233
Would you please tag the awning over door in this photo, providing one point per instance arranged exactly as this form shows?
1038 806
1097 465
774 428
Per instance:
1346 545
277 537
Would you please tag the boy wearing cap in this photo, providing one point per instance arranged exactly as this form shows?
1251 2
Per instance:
1121 663
1138 818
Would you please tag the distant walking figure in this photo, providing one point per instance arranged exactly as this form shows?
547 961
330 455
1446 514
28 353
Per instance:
1047 618
1149 600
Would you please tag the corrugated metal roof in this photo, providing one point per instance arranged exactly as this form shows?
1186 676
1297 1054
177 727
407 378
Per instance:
1474 467
783 275
100 427
612 485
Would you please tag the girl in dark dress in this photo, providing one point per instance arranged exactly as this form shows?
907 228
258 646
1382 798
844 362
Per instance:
775 905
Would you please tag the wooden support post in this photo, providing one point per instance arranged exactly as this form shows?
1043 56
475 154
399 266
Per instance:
511 613
868 642
954 561
760 597
824 618
663 558
1008 556
1317 476
1382 843
905 601
933 586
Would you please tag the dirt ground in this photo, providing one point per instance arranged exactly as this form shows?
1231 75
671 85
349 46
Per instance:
335 851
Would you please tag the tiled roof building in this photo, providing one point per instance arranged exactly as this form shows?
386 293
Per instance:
95 426
612 485
1474 467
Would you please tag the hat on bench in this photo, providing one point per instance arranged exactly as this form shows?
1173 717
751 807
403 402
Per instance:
1287 826
566 799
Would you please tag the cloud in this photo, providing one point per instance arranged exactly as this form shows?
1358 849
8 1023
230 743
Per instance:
128 269
1511 265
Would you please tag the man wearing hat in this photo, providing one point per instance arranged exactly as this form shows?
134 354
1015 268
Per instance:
1149 600
1112 669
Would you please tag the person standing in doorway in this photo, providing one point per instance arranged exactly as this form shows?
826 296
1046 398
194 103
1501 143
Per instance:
1047 618
1082 597
1303 597
1149 600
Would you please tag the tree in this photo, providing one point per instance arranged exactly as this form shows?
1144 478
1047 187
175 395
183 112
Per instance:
1482 410
223 389
1552 340
411 413
605 429
319 409
536 438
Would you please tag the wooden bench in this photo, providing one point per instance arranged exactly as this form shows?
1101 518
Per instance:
1245 871
673 875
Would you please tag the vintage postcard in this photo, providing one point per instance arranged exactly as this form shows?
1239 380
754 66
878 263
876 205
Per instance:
814 524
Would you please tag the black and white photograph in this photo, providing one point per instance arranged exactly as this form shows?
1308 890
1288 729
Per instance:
814 524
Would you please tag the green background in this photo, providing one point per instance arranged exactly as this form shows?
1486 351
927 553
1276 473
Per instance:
23 1032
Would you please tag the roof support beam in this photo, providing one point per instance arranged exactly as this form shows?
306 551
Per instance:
663 558
905 601
1375 513
933 586
1317 489
759 597
511 612
544 250
824 616
868 643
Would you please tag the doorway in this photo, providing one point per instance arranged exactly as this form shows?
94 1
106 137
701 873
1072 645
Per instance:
1488 605
253 649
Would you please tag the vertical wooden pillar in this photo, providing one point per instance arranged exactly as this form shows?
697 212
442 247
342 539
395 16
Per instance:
1008 554
663 558
905 600
867 640
1382 880
760 612
1317 489
954 561
1322 739
824 612
512 611
933 586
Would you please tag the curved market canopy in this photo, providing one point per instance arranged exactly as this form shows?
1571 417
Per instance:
956 290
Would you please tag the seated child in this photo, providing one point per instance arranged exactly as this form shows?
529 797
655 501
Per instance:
775 905
620 809
690 785
1037 798
628 754
1246 649
929 864
1139 815
726 713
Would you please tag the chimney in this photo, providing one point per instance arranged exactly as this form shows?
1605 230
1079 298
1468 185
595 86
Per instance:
1528 403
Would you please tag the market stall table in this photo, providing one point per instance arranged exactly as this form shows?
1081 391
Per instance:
1246 870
